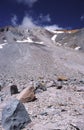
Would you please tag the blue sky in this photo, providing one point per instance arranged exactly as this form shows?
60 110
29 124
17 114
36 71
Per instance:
58 14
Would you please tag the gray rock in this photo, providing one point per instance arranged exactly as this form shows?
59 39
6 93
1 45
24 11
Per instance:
39 86
44 114
14 116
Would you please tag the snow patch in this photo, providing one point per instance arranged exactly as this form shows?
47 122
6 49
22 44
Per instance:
1 45
5 41
54 38
28 40
39 42
77 48
25 40
56 32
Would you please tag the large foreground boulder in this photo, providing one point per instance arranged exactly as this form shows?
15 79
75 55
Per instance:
14 116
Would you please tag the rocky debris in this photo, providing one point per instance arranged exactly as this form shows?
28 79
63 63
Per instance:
13 89
79 89
39 86
75 127
14 115
27 95
50 83
80 125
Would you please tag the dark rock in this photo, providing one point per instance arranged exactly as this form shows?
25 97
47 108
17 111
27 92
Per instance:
14 116
0 87
81 81
1 99
13 89
63 110
59 85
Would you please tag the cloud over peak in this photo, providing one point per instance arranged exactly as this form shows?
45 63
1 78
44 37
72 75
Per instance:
53 27
28 22
44 18
14 20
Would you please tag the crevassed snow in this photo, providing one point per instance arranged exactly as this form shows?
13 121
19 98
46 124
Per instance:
1 45
54 38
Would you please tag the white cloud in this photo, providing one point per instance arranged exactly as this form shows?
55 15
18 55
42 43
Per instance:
44 18
82 18
28 22
27 2
53 27
31 23
14 20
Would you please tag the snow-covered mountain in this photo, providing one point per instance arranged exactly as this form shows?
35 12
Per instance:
68 38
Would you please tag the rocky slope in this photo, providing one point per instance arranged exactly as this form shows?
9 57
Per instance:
36 54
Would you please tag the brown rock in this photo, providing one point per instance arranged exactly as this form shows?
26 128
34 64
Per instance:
27 95
62 78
